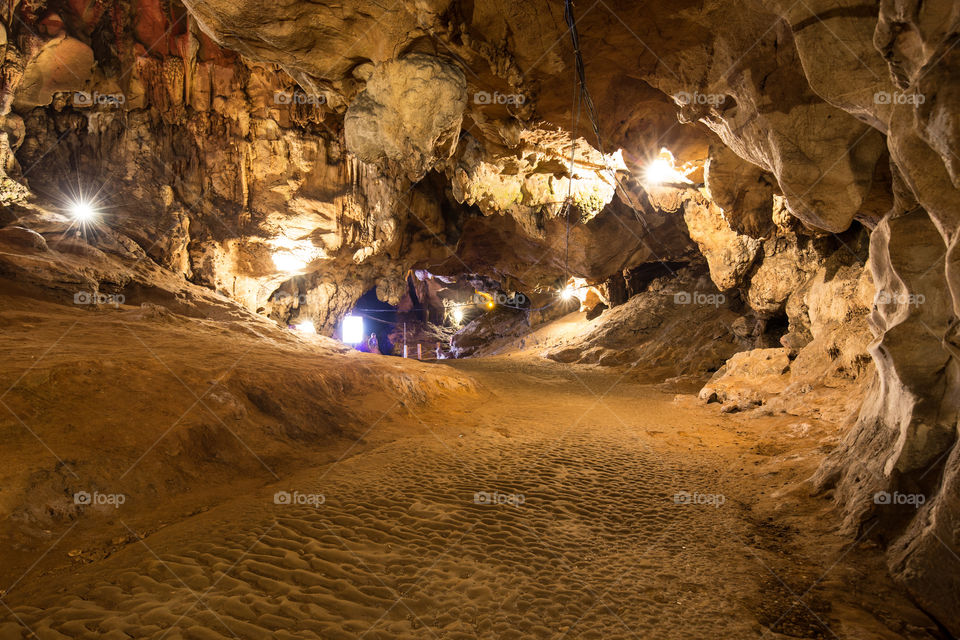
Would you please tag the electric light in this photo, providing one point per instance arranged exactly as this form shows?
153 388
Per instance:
288 263
351 329
292 256
662 170
490 304
566 293
82 211
457 315
305 327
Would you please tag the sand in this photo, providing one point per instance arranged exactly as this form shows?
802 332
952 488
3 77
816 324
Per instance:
554 502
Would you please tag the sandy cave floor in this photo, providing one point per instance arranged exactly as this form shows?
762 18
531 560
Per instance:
599 548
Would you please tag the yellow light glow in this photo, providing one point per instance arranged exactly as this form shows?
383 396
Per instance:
566 293
292 257
288 263
457 315
663 170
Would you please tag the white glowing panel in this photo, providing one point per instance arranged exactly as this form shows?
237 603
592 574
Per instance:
305 327
351 329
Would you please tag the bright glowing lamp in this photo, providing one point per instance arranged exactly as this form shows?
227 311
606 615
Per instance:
288 263
566 293
305 327
292 256
663 171
82 211
457 315
351 329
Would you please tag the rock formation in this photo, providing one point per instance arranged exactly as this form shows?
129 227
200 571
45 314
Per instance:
292 157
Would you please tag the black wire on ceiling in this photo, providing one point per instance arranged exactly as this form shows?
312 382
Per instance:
585 99
581 72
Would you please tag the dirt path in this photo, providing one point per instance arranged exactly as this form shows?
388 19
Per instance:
568 503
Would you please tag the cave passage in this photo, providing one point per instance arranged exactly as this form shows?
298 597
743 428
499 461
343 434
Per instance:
379 322
479 320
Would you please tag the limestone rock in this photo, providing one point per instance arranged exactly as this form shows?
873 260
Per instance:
647 330
728 253
749 377
409 113
785 262
61 64
742 190
908 423
484 332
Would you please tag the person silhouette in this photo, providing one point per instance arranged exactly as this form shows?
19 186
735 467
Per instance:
372 345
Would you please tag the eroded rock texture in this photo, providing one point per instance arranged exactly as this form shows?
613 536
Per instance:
409 114
293 156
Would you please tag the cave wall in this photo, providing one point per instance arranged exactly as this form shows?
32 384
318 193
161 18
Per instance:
440 135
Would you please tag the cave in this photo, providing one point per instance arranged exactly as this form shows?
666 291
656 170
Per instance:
665 298
379 321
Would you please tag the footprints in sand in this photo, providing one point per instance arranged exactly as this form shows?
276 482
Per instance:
401 550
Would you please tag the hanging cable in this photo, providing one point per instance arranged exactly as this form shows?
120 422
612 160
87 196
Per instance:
580 95
581 72
584 96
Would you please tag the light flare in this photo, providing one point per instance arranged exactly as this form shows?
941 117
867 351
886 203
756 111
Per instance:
83 211
662 170
292 257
